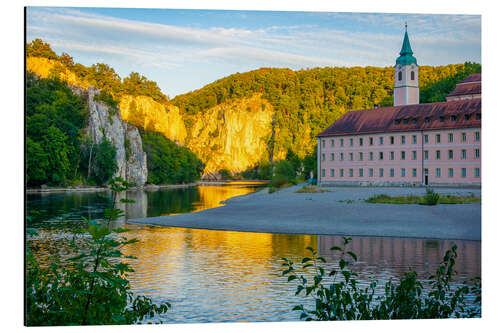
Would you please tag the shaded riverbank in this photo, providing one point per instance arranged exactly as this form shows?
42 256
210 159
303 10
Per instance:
339 212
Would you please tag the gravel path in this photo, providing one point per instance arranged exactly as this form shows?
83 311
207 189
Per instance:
339 212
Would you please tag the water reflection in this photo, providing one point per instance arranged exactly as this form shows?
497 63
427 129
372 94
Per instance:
217 276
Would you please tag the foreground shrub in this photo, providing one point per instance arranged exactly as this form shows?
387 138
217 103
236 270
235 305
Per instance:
431 198
90 288
343 299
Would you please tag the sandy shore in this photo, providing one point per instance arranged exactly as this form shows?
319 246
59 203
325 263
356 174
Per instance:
339 212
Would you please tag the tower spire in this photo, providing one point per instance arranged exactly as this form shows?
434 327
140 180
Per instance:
406 54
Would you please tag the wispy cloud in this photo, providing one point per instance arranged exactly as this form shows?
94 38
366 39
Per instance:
164 51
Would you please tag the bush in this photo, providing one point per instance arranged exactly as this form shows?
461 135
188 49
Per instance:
431 198
285 170
91 288
225 174
279 181
343 299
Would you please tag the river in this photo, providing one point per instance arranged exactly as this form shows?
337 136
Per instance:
227 276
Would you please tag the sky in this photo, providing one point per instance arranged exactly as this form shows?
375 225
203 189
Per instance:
183 50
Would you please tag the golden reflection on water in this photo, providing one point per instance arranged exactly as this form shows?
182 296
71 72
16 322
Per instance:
237 275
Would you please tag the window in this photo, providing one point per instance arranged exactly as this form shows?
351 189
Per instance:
441 119
391 172
427 120
332 143
341 156
438 138
397 121
403 139
403 172
412 75
476 136
414 155
438 154
414 139
450 137
467 117
405 121
476 153
341 142
450 154
414 172
323 143
392 140
351 173
381 140
478 116
351 156
322 172
360 172
322 157
381 155
403 155
450 173
392 155
332 156
463 173
351 142
400 76
426 154
360 156
371 141
381 172
476 172
370 172
414 120
453 118
464 154
438 172
426 138
371 156
332 172
464 137
341 172
360 142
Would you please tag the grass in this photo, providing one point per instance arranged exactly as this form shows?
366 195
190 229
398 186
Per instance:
311 189
421 200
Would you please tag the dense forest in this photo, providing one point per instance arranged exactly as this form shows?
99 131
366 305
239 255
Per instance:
304 102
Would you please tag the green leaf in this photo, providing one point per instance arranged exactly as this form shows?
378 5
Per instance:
353 255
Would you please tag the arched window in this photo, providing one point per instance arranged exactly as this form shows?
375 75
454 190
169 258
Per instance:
400 76
412 75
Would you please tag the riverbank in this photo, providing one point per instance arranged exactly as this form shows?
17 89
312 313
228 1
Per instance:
339 212
148 187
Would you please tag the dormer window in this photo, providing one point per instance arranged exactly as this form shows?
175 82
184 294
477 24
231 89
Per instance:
405 121
467 117
478 116
453 118
427 120
441 119
414 121
397 121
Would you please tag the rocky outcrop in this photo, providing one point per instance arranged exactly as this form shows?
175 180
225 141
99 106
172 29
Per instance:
105 121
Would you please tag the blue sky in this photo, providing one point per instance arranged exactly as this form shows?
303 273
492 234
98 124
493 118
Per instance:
183 50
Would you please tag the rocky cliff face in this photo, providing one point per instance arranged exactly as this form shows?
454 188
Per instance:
106 122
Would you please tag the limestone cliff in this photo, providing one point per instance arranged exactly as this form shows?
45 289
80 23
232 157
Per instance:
231 136
106 122
143 111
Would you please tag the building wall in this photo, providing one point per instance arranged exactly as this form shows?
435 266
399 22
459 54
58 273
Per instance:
406 90
420 157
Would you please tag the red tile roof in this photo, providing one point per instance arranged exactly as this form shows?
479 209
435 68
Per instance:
470 86
471 78
404 118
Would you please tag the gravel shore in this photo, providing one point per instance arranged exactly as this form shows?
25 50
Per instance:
339 212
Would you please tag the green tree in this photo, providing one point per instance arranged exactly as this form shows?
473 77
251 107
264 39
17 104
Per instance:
98 161
57 151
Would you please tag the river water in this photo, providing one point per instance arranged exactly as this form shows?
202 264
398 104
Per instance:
226 276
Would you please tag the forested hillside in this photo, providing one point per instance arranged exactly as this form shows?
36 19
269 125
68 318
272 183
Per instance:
247 119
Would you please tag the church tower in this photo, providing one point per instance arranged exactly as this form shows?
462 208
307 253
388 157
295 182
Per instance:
406 89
